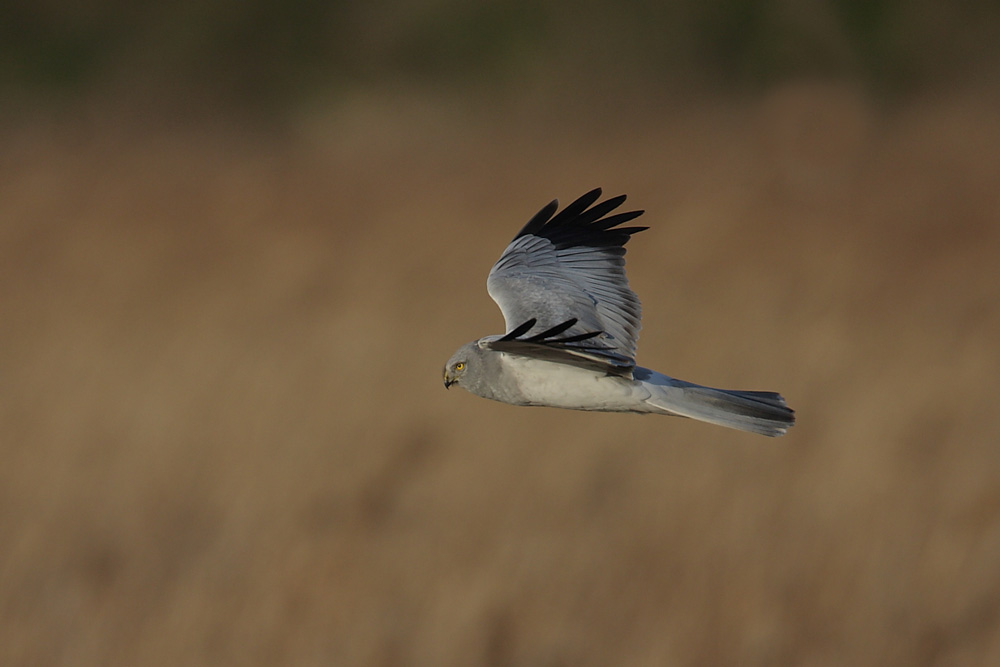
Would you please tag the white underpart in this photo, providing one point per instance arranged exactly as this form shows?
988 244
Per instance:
564 386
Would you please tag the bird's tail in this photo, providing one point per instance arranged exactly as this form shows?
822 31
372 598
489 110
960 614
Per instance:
762 412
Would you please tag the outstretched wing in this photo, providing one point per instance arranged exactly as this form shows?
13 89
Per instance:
572 267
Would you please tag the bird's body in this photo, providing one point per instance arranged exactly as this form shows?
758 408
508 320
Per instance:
562 280
523 380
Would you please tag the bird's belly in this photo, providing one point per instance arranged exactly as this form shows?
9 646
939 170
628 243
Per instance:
557 385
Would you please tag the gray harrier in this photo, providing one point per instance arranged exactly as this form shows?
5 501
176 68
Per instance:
572 324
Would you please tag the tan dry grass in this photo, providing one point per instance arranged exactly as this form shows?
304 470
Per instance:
224 439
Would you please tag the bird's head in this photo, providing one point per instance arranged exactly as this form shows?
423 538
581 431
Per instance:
459 364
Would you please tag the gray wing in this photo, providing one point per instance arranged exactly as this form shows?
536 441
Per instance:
572 267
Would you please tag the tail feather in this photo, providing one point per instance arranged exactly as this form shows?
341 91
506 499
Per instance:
762 412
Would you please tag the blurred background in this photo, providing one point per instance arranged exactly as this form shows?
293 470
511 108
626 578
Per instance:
238 240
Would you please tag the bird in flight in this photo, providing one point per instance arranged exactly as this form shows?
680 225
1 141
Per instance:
571 329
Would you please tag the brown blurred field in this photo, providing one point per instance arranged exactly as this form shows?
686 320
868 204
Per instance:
225 440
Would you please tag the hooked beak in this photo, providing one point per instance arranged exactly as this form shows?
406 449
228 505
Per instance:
448 383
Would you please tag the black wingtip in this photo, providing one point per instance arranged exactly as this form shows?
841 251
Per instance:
548 337
575 210
520 330
584 222
554 331
539 219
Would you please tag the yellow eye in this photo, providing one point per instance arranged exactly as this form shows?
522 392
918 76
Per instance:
460 365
